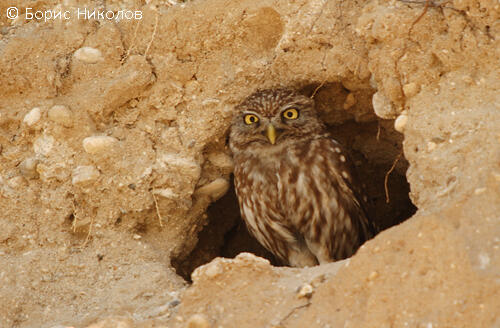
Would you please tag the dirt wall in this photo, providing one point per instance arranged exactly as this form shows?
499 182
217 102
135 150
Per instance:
113 145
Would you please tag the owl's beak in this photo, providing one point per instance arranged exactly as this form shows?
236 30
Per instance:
271 134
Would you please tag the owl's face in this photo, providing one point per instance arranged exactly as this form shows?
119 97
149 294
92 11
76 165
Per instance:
271 119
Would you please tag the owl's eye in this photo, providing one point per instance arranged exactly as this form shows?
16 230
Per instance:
291 114
251 119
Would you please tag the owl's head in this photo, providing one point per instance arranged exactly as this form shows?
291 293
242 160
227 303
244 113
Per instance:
272 119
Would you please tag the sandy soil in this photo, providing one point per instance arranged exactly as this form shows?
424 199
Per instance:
115 177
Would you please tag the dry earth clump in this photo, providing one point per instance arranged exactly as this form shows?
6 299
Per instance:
115 176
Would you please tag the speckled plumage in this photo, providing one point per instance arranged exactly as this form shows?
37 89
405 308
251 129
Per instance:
299 196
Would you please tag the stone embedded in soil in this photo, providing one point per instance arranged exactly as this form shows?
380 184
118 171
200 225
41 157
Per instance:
411 89
88 55
215 189
33 116
383 107
350 101
400 122
190 77
99 144
186 165
28 168
61 114
431 146
209 270
83 175
168 193
43 145
305 291
198 321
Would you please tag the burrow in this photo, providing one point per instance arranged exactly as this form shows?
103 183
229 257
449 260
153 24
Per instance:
374 146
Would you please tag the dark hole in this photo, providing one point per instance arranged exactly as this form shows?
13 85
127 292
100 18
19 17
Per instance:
224 235
374 147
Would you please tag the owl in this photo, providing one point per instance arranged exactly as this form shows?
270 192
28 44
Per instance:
296 187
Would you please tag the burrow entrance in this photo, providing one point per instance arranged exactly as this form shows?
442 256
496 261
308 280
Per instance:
374 146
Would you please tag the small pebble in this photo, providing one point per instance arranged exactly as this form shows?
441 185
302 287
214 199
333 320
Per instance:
246 257
411 89
43 145
431 146
350 101
62 115
88 55
305 291
467 79
400 123
98 144
168 193
484 260
33 116
213 270
187 165
479 191
28 168
383 107
198 321
373 275
83 175
215 189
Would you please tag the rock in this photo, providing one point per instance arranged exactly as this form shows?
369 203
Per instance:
61 114
28 168
210 270
84 175
431 146
99 144
350 101
400 123
305 291
33 116
168 193
43 145
88 55
198 321
383 107
410 89
215 189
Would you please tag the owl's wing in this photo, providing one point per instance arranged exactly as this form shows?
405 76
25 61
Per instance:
353 199
324 200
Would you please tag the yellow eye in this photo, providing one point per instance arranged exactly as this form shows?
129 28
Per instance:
291 114
251 119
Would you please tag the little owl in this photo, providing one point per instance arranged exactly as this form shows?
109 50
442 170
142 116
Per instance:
296 187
